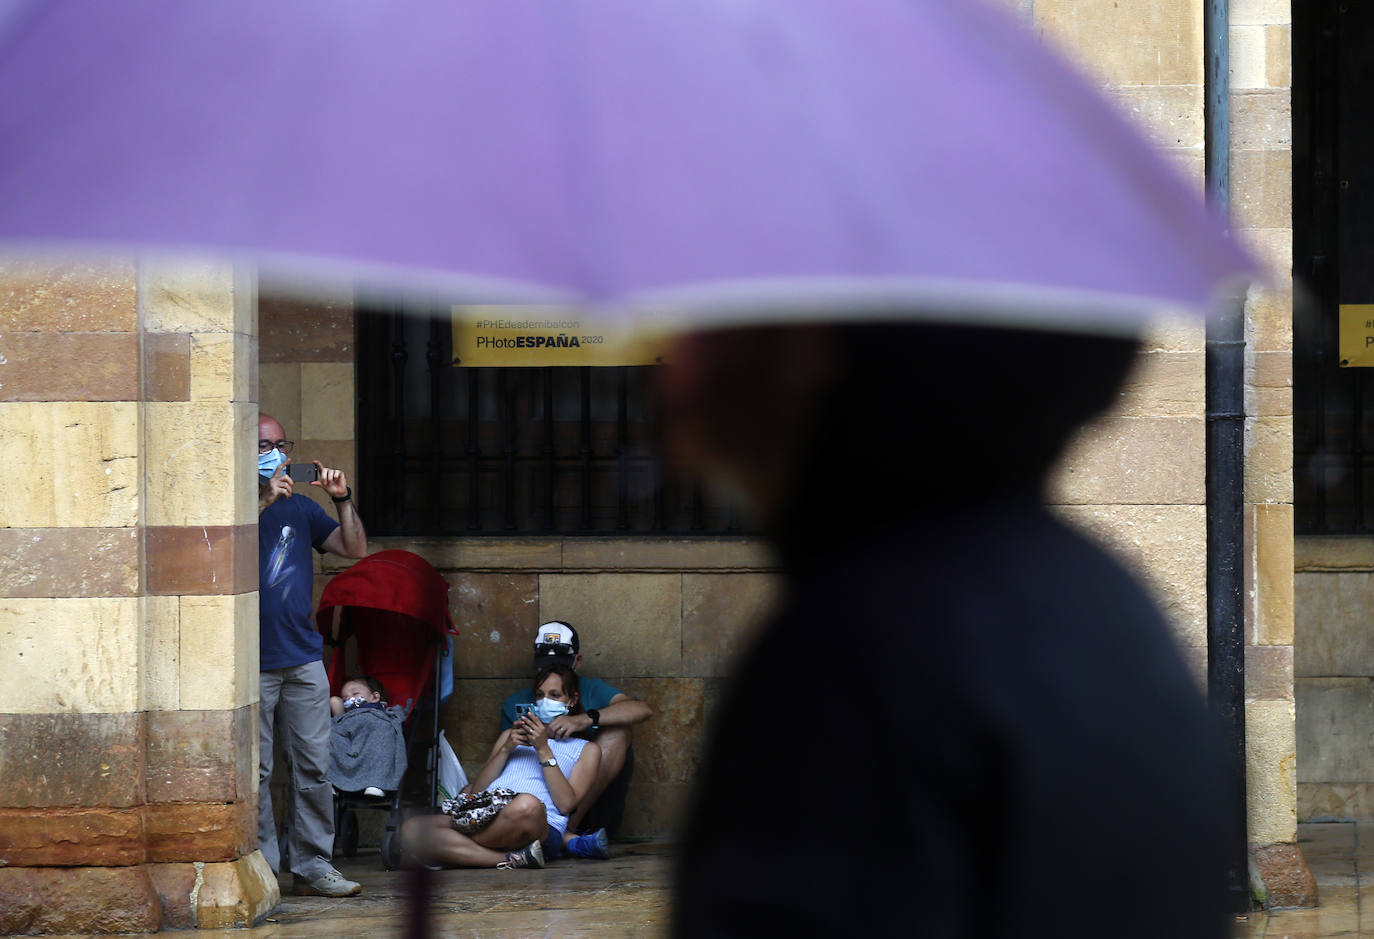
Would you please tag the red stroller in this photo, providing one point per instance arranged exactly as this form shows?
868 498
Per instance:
393 605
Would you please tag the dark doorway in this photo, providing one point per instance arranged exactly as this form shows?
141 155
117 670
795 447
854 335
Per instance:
1333 262
514 451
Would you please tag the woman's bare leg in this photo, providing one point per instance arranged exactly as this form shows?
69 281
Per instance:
519 823
432 838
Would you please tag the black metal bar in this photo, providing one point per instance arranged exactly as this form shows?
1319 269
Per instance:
1318 90
1225 376
474 452
507 392
660 497
622 449
584 449
399 356
1316 93
1319 417
371 334
1357 449
481 491
655 435
548 449
436 361
1328 62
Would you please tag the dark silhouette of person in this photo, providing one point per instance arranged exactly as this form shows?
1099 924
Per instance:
965 719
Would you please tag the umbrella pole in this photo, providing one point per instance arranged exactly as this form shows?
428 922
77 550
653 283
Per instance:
1225 405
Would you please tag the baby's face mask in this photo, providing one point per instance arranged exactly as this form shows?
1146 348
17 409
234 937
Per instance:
355 695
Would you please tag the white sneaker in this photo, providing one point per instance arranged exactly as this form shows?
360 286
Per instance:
329 884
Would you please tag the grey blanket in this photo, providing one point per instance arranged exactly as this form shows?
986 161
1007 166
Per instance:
367 748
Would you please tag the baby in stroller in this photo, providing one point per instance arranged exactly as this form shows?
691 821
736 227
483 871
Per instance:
367 739
358 691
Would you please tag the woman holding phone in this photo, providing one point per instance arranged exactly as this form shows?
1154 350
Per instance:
551 777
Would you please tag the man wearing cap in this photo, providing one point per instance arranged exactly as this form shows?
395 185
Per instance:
607 716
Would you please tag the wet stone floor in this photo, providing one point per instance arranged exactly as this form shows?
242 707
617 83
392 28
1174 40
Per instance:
624 896
1341 856
629 896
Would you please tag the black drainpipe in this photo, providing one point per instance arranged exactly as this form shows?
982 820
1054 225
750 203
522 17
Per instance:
1225 370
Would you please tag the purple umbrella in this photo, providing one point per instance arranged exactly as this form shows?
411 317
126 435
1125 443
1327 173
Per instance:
789 158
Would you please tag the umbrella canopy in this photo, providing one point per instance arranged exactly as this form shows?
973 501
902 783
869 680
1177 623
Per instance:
788 158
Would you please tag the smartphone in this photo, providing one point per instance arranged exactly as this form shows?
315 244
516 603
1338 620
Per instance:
521 710
302 472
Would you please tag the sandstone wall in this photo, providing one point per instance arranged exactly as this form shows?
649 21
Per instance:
128 573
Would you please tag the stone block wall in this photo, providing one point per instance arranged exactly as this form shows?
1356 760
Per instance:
1148 454
128 395
661 620
1262 214
1136 478
1335 677
128 581
305 365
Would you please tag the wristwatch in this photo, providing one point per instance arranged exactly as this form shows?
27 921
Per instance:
595 715
549 762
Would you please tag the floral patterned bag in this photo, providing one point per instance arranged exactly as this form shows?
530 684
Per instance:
471 813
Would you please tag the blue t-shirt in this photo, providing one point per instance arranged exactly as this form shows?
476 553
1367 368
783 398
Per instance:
596 694
287 531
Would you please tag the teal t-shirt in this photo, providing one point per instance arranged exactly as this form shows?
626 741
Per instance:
596 694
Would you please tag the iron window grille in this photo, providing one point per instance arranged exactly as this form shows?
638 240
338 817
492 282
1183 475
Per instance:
1333 240
445 450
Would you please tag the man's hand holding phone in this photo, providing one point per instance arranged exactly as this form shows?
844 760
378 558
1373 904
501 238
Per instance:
279 486
302 472
331 481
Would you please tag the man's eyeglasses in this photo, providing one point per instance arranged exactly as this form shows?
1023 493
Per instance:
551 648
284 446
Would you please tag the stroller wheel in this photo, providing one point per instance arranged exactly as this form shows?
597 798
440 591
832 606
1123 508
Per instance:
347 835
391 850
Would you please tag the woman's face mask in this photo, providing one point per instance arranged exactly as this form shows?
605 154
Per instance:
546 709
269 461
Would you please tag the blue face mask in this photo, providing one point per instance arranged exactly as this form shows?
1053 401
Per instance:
546 709
269 461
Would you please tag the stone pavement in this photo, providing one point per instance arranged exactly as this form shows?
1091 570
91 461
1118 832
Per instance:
629 896
1341 856
624 896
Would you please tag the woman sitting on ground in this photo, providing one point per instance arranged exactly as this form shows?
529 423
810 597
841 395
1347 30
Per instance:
551 777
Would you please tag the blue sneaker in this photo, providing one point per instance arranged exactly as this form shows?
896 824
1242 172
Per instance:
596 845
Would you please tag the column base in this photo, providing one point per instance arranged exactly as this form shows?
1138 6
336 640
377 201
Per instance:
138 898
1280 877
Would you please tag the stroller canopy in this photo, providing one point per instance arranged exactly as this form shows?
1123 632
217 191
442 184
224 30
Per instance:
394 606
395 581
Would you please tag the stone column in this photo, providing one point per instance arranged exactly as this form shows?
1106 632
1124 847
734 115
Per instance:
1148 57
1262 201
128 614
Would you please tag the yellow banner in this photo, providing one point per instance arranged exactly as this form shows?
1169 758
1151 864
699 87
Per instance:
537 336
1357 335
